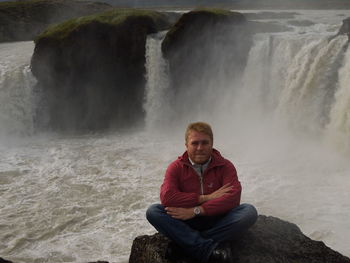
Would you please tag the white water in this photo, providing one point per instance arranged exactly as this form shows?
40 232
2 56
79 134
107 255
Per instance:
83 198
16 89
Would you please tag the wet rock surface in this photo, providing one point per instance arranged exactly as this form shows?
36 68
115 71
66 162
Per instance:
270 240
204 46
91 71
345 28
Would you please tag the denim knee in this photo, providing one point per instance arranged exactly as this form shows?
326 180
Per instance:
250 212
153 212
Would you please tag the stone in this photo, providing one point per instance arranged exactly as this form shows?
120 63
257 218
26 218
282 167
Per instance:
204 46
270 240
4 261
91 70
345 28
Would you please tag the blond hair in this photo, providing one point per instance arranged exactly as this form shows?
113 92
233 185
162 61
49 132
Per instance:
199 127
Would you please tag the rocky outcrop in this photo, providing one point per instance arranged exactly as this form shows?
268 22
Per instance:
91 70
270 240
23 20
202 47
345 28
4 261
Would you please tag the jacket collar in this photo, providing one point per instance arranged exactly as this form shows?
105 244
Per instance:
216 159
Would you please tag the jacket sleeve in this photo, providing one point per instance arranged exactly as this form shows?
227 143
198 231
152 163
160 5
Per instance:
231 199
170 192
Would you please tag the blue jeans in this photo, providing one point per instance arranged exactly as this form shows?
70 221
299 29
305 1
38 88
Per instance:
199 236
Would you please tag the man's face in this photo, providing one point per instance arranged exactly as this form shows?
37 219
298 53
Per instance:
199 147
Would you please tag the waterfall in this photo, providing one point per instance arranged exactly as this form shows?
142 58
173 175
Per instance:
290 81
294 79
310 83
158 92
17 101
338 129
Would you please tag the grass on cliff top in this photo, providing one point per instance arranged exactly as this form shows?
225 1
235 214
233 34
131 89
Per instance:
113 17
215 11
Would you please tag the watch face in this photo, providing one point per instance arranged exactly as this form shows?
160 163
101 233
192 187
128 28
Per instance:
197 210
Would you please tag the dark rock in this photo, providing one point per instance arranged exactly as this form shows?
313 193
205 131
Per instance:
204 46
345 28
91 70
270 240
192 25
23 20
4 261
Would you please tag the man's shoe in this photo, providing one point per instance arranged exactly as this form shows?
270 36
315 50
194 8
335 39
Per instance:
221 255
174 252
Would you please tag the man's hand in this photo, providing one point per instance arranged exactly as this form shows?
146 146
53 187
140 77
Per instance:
218 193
180 213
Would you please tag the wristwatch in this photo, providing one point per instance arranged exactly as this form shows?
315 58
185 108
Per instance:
197 211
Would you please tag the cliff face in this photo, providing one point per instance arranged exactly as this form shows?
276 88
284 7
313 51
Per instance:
203 47
345 28
270 240
91 69
20 21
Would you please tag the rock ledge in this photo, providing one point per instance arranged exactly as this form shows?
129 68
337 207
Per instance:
270 240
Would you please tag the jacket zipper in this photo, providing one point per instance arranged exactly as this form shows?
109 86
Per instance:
201 182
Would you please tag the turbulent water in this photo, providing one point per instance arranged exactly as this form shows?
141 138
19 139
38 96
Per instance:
285 124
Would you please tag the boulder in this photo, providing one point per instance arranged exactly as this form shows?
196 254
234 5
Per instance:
4 260
270 240
23 20
91 70
345 28
204 47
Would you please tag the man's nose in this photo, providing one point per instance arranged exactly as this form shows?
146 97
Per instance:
200 146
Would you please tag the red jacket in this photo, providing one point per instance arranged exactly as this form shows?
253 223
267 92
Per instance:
182 186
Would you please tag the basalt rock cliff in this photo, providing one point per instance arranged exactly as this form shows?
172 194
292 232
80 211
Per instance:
270 240
90 70
23 20
345 28
203 46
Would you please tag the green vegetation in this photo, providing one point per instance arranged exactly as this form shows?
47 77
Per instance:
215 11
112 17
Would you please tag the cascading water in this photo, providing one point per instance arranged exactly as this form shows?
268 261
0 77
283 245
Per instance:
310 84
82 198
17 100
338 129
295 79
158 92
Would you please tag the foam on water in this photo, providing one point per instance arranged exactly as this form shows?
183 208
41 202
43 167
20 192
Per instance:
83 198
77 199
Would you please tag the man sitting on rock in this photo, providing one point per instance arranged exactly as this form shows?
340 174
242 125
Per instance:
200 200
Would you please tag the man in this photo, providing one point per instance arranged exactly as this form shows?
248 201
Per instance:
200 200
